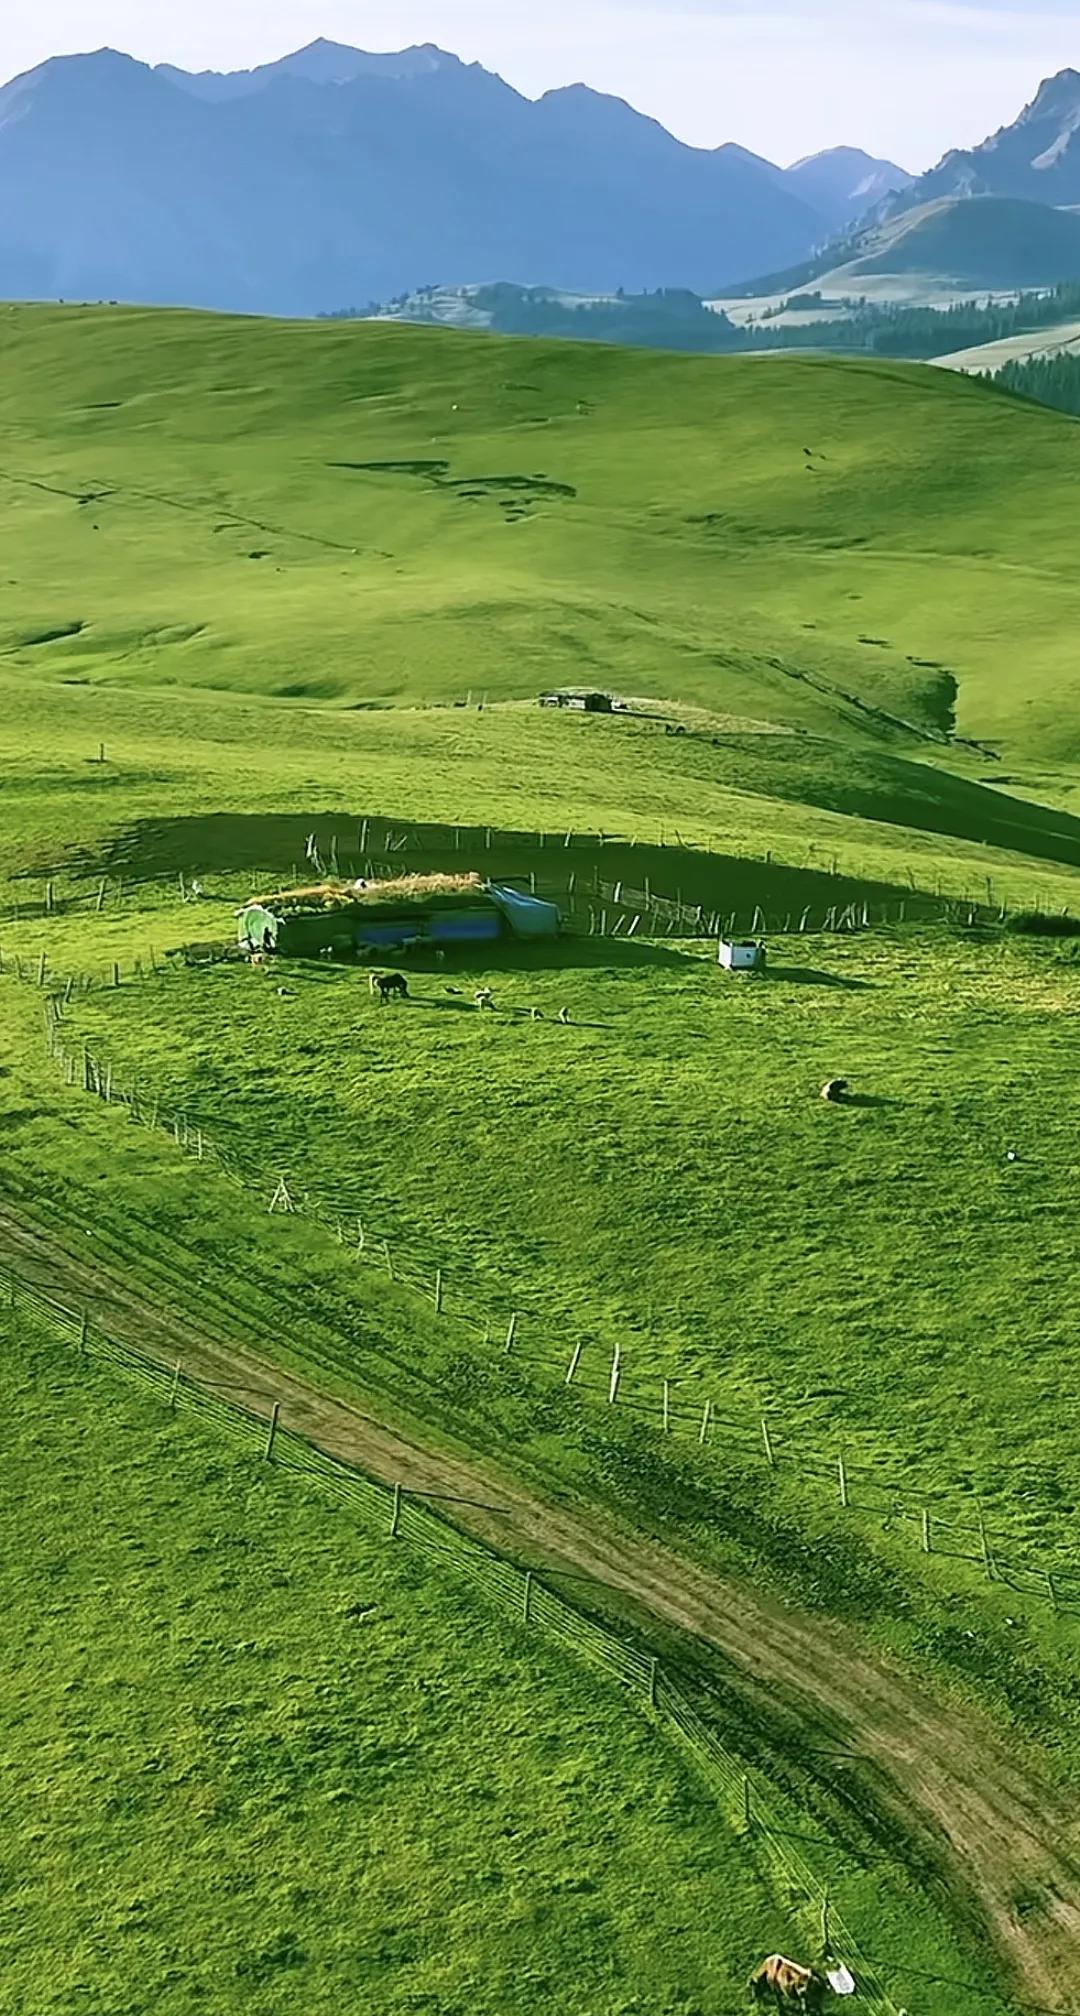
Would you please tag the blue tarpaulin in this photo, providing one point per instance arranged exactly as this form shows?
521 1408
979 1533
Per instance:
527 916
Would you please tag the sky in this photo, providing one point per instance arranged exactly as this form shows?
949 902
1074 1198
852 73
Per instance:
903 78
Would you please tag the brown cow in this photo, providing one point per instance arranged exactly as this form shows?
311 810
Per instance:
788 1985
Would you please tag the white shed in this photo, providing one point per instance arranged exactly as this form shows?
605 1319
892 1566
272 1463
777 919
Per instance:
742 955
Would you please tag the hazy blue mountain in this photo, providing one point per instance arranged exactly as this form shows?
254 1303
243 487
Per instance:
320 62
844 183
1036 159
335 177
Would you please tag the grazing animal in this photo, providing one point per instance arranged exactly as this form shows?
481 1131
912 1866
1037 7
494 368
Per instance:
787 1984
835 1091
391 985
564 1015
484 998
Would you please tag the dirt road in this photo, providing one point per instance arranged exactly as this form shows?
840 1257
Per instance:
1004 1836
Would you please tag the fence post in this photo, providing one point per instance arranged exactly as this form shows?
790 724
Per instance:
526 1607
748 1818
116 973
438 1291
654 1674
574 1363
272 1436
926 1546
706 1422
770 1453
41 971
395 1517
175 1386
667 1406
511 1330
616 1374
841 1474
826 1944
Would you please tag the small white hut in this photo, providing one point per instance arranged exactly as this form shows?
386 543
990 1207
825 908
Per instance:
742 955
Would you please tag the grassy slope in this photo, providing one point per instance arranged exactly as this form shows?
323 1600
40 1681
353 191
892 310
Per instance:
934 523
665 1162
269 1697
1065 337
994 241
698 556
241 1707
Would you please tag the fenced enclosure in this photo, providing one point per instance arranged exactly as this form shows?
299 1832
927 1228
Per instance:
674 1407
389 1511
584 869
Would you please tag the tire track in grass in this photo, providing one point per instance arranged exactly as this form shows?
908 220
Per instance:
1004 1836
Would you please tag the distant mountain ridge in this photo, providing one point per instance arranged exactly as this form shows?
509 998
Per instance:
844 183
336 175
1036 159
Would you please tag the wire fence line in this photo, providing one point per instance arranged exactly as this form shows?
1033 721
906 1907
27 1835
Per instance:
592 908
675 1408
381 849
390 1512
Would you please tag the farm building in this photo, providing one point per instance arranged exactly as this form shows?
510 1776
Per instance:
582 703
353 919
742 955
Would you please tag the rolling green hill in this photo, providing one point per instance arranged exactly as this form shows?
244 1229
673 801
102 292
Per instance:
358 514
271 585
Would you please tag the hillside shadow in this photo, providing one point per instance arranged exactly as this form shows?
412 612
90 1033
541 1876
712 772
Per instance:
581 872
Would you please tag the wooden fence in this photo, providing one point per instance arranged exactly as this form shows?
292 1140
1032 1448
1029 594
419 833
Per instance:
391 1513
671 1407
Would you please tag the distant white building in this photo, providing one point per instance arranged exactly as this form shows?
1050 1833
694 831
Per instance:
742 955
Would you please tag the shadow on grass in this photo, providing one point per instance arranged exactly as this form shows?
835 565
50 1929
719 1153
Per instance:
276 845
809 976
482 964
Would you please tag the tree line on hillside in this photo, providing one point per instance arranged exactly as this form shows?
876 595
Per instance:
1052 381
886 331
673 318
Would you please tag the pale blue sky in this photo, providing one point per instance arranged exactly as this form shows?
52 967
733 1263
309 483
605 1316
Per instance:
906 78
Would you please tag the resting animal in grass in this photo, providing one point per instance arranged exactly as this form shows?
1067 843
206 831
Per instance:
787 1985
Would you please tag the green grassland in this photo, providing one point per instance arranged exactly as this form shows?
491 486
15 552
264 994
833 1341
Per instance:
883 1281
368 513
266 568
256 1757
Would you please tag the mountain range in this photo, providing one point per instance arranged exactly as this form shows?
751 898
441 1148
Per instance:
336 176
